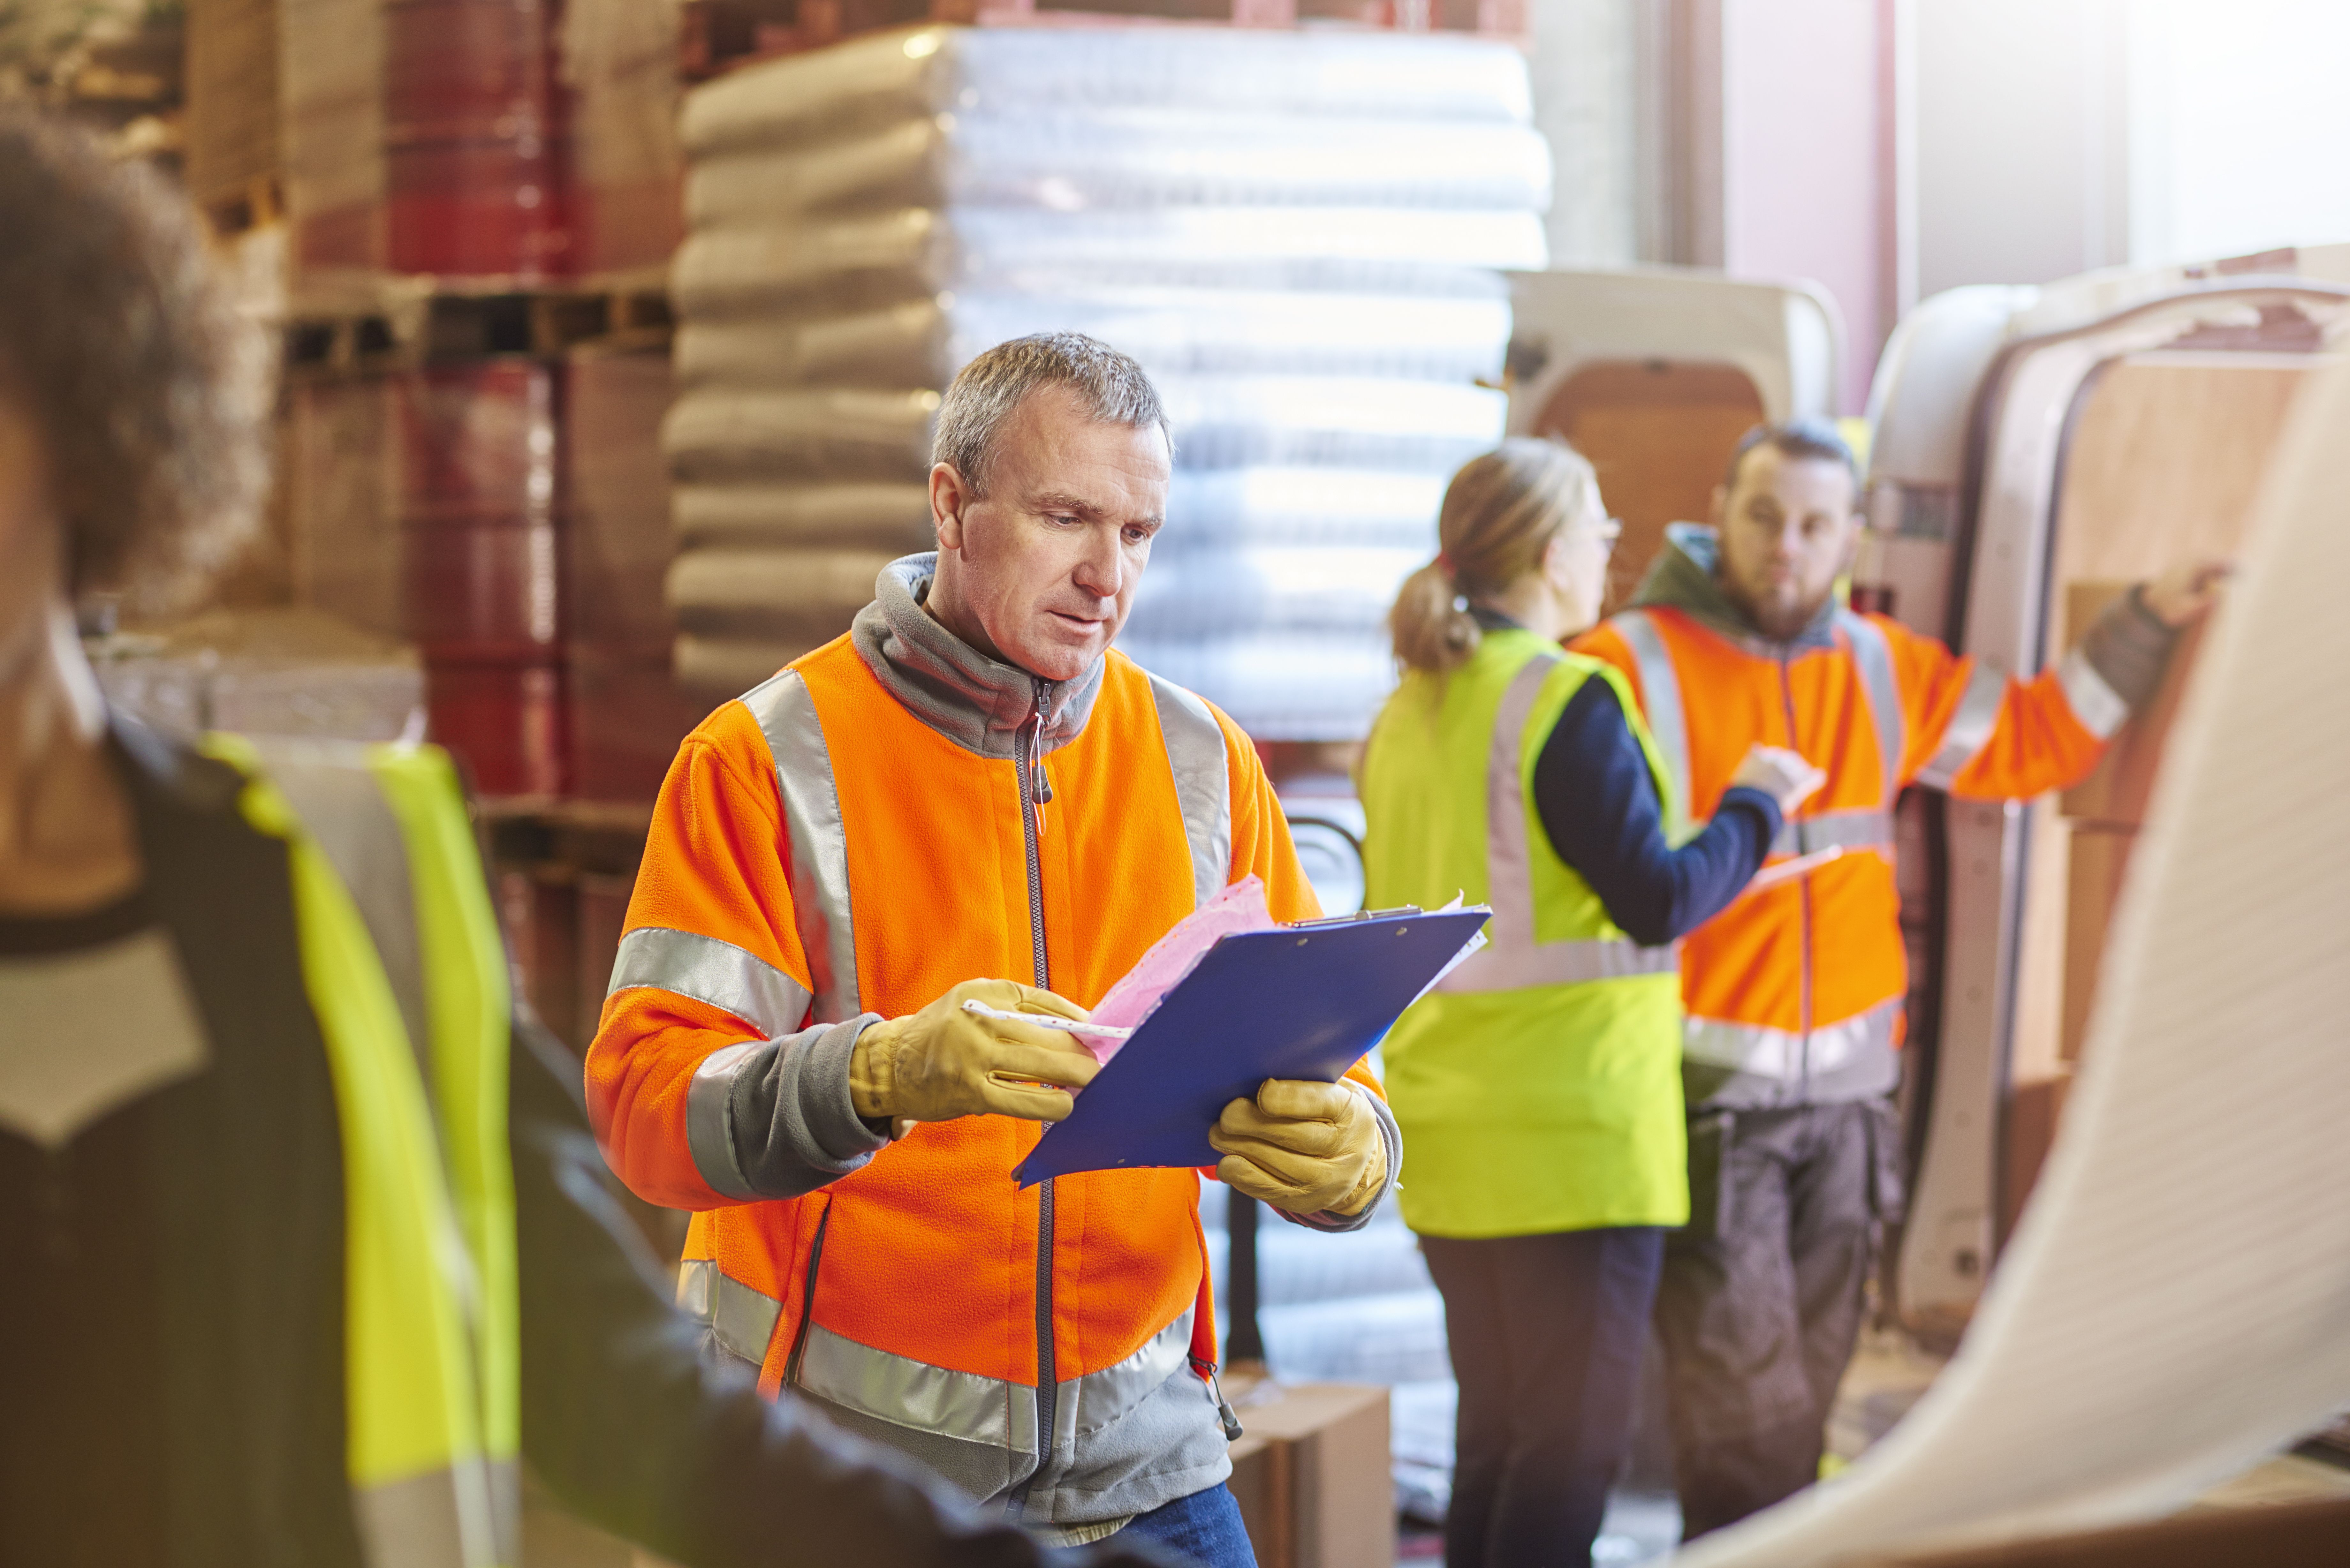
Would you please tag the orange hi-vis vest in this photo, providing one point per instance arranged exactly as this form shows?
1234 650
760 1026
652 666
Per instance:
1794 995
846 842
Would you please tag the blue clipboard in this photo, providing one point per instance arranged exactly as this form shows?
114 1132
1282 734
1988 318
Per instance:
1298 1001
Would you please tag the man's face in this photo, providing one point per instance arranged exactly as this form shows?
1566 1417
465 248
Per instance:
1788 530
1042 571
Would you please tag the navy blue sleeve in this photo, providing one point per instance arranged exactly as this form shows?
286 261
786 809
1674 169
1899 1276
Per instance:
1598 803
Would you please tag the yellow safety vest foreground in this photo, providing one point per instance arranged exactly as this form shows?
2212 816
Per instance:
1538 1089
406 973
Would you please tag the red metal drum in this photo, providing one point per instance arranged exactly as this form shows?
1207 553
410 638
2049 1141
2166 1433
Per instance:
505 722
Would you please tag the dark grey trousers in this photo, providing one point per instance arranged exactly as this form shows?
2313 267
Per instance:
1760 1305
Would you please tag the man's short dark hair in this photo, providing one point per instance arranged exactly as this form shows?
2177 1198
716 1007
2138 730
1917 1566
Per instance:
147 388
1109 385
1816 440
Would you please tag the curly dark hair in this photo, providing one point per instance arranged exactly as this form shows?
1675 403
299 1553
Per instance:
150 390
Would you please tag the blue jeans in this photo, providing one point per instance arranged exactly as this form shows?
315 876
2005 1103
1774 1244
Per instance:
1204 1527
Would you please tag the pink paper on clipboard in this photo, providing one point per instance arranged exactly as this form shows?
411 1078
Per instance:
1239 907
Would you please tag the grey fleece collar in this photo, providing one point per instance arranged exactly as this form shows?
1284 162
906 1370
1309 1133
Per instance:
1684 576
974 701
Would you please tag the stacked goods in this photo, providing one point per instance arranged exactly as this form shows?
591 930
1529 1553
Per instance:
517 141
475 475
627 712
620 67
1299 234
473 144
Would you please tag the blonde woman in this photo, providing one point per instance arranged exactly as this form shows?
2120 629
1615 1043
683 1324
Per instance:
1538 1089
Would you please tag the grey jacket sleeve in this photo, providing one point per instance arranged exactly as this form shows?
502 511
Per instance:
633 1429
789 1126
1391 1136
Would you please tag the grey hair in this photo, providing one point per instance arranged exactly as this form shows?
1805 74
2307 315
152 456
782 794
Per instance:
1110 385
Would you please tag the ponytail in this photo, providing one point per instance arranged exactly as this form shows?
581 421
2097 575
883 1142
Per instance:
1430 624
1500 512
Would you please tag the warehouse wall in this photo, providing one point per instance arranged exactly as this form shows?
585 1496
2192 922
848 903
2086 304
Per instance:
1585 62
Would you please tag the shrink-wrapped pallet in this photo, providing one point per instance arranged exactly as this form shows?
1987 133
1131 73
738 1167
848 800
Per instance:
1300 235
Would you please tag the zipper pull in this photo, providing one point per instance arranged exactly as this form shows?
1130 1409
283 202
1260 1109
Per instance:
1232 1423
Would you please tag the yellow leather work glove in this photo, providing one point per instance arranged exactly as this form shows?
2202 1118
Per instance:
1304 1147
944 1063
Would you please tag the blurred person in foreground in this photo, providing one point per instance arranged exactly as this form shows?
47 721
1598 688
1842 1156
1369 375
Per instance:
970 796
274 1295
1538 1087
1794 995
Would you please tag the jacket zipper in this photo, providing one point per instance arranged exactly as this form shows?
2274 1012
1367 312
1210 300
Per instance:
807 1301
1803 888
1026 743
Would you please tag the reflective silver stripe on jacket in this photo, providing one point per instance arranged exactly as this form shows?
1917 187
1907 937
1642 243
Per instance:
1851 831
740 1319
1971 727
1512 957
709 1120
334 792
819 872
2093 701
1781 1053
706 969
1660 698
989 1410
1873 656
1195 752
442 1519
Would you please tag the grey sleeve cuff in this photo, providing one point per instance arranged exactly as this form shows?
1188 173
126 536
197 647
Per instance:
1391 1136
791 1128
2128 647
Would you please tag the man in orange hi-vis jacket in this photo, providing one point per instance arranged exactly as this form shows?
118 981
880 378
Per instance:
1794 994
969 786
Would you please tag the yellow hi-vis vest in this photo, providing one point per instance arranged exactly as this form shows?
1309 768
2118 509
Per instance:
406 973
1538 1088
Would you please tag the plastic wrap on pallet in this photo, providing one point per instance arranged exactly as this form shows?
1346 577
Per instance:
1300 235
1173 331
884 78
895 517
1063 160
1219 422
775 595
918 253
1295 685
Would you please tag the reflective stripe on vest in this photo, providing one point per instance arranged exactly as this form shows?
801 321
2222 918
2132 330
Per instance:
1780 1054
1195 752
1512 957
2093 701
1970 729
818 871
899 1388
424 1490
1660 696
1872 656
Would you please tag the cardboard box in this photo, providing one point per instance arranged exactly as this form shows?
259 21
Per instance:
2100 858
2117 792
1314 1475
2034 1110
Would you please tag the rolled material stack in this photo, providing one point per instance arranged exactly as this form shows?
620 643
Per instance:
1299 234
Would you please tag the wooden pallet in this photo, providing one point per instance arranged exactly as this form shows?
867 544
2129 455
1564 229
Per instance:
445 326
721 35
